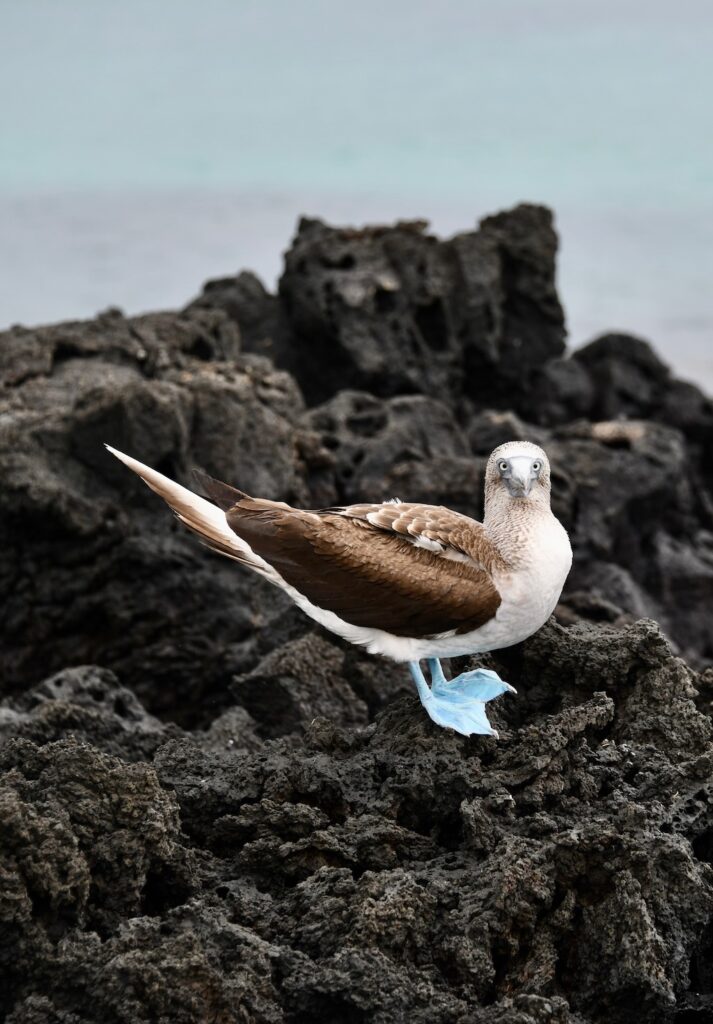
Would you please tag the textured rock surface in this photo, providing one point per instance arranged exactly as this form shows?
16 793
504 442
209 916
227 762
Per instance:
385 873
210 811
394 310
93 570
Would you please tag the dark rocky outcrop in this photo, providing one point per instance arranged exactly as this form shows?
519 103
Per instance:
393 310
211 811
92 570
88 704
385 873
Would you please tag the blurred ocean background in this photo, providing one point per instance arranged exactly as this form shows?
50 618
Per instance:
147 145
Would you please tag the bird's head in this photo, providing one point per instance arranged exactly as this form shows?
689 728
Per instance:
518 470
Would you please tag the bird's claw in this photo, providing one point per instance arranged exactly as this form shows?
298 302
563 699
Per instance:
481 684
459 703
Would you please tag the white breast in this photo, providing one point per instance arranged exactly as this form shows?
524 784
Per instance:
529 596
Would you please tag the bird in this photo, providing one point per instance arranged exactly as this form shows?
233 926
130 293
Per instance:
408 581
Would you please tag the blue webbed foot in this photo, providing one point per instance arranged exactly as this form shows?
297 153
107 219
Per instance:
459 703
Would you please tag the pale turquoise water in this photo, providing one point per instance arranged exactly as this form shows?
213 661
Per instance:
146 145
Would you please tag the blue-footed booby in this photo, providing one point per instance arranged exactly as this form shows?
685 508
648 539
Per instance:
408 581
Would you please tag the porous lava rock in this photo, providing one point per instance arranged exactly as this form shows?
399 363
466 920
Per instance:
92 570
389 872
394 310
86 703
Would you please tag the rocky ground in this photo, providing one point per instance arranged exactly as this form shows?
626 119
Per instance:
212 811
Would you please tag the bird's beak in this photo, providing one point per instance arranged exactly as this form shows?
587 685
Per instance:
520 480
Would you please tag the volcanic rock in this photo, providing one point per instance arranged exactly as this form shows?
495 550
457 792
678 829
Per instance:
393 310
93 569
383 873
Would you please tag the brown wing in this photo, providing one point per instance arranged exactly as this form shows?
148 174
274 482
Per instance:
364 573
431 526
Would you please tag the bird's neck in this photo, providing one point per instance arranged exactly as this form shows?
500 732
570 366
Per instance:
511 522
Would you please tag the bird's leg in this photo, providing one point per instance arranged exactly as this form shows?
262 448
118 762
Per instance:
420 681
436 670
460 703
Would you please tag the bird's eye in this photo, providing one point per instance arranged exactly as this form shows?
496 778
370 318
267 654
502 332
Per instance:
502 466
537 466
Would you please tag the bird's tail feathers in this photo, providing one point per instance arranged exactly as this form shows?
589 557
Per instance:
223 495
201 516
